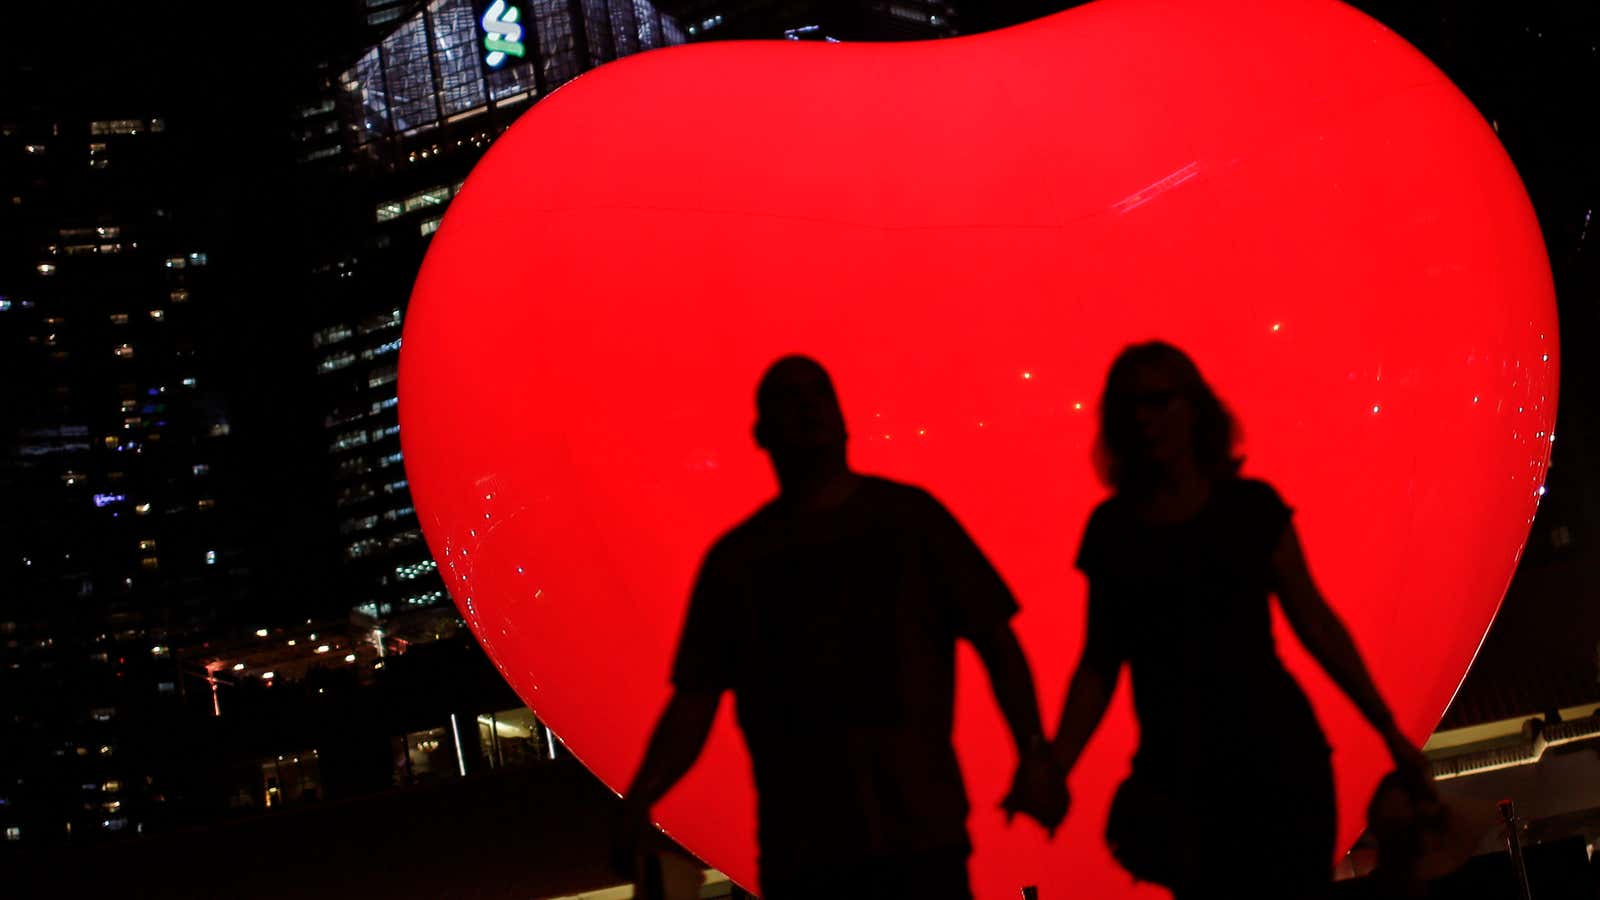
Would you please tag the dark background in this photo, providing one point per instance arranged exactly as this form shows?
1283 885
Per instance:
225 78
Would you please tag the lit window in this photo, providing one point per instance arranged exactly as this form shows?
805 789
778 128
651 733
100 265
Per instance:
111 786
336 362
396 514
437 196
200 469
390 319
391 210
211 557
382 349
429 226
347 440
382 376
45 269
179 296
158 315
198 259
392 459
330 335
147 544
425 599
158 124
220 429
150 562
386 403
13 832
72 478
112 440
362 547
188 382
123 351
119 318
205 503
177 262
33 149
355 465
325 106
361 523
142 509
120 126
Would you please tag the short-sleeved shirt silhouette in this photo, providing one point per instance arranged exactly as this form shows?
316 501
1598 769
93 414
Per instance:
835 630
1187 605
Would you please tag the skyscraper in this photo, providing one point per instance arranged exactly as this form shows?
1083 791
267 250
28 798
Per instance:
385 142
119 533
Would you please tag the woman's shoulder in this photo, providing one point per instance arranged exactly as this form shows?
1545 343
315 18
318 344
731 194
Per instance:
1255 492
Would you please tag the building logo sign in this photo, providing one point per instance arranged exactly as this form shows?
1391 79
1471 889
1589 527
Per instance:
502 36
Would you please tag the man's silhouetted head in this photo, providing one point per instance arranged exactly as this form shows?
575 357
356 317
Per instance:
797 411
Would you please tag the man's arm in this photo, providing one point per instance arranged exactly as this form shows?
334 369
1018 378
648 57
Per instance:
1012 681
982 607
679 735
1039 787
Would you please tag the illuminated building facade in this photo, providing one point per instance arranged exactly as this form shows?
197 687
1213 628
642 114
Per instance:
858 20
385 141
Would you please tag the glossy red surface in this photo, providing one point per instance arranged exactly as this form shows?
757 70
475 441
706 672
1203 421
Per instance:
965 233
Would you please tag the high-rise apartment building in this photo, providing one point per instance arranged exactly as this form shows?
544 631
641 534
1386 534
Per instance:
119 535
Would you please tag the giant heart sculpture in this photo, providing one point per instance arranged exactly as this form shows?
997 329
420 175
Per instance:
966 232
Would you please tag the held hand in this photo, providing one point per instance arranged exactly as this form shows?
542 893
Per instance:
1409 761
1039 790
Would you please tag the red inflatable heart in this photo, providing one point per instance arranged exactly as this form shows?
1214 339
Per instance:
965 232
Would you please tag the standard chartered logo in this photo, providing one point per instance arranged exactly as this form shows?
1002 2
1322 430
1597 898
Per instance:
502 35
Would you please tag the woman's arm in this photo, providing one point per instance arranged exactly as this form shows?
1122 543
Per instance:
1319 629
1089 692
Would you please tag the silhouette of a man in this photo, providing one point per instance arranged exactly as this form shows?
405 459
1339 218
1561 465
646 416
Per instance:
832 615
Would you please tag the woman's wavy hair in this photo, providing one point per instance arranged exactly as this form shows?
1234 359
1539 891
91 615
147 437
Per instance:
1215 431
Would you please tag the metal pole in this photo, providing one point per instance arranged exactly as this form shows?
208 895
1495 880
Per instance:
1508 812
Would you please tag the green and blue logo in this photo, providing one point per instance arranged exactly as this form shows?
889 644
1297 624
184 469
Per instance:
502 35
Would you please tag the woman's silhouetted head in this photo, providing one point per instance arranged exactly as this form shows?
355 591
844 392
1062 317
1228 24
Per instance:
1156 413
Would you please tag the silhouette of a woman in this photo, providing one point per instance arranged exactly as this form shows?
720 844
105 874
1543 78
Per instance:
1231 792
